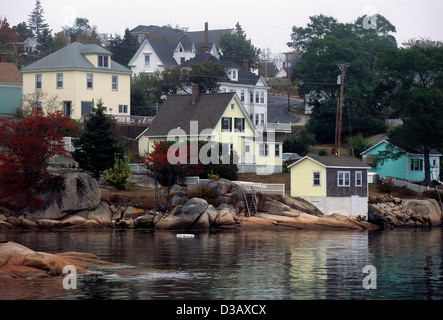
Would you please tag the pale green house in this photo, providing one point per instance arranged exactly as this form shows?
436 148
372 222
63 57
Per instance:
11 85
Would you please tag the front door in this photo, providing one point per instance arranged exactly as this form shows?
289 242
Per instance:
355 205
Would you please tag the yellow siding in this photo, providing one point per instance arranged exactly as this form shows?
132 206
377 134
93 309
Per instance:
75 89
302 179
236 138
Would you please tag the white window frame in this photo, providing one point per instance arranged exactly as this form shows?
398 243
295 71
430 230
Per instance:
346 177
358 181
314 179
263 149
277 150
148 62
114 83
38 81
122 108
90 76
103 61
59 83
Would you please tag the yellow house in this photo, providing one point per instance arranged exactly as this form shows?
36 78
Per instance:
78 75
216 117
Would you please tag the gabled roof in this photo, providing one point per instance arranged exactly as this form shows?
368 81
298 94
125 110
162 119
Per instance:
335 162
417 150
244 76
72 57
213 36
10 74
178 111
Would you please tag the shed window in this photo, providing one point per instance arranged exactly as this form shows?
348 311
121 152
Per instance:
343 178
358 179
316 180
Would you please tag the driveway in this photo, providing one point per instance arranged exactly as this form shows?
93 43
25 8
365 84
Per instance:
277 109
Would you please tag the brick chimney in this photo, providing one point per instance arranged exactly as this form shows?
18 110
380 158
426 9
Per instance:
73 38
245 64
194 93
4 57
148 35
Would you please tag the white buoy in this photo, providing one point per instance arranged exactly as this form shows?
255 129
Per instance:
185 235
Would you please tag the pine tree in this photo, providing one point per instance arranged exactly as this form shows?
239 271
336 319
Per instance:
96 149
36 22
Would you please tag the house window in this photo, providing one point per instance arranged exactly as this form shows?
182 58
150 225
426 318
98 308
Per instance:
416 164
358 179
67 108
38 81
122 108
257 97
115 83
226 124
182 60
262 97
147 60
103 61
239 124
89 79
277 150
59 80
263 149
232 107
251 97
343 178
316 178
242 95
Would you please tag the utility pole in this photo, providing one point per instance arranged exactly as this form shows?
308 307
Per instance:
342 67
289 80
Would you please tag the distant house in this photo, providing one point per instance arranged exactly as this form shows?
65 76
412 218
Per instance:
251 88
216 117
11 84
80 74
161 47
332 184
410 166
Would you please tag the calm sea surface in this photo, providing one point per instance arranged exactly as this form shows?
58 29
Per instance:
232 265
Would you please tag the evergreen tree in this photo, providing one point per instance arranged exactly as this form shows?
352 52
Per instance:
96 149
36 22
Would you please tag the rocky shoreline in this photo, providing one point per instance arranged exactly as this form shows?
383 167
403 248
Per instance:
74 202
20 262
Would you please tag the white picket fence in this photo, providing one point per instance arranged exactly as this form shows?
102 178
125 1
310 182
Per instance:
268 188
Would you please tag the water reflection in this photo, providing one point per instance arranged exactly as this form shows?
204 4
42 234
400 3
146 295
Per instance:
254 264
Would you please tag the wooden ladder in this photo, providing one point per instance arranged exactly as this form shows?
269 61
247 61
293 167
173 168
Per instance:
251 203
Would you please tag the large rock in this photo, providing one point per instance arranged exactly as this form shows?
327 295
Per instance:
427 210
17 261
190 215
63 195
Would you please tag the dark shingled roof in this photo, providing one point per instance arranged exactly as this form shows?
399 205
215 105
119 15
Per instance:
178 110
244 76
331 161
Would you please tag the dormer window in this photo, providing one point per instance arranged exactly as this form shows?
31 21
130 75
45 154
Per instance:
232 74
103 61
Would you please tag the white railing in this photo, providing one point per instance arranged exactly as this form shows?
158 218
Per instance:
268 188
140 120
278 127
138 168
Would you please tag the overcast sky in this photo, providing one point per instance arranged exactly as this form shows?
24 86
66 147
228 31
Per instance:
268 23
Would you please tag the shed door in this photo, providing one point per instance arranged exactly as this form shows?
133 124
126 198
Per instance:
355 205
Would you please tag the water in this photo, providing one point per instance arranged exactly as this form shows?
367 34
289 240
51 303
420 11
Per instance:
233 265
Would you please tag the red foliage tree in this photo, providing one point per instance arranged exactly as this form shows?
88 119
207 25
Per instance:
26 145
170 161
